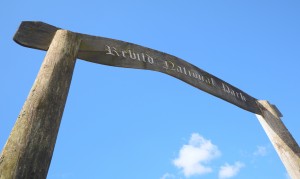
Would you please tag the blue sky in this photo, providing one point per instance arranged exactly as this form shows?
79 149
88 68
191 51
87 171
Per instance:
125 123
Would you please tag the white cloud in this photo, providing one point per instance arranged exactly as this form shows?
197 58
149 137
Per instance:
260 151
228 171
168 176
193 156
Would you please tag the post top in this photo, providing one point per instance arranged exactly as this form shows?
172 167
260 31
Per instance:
270 107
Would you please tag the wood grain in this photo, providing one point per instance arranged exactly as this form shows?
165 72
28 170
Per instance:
28 151
285 145
118 53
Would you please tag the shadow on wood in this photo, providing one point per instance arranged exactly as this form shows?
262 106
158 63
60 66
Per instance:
28 151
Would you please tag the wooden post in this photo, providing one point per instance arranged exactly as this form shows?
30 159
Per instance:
283 142
28 151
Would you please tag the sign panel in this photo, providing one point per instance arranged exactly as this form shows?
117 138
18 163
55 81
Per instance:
117 53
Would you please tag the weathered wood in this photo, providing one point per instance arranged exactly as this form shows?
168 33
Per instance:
283 142
29 149
123 54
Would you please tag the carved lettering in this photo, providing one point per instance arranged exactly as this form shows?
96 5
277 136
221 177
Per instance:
168 65
130 54
183 71
212 82
143 57
196 75
171 66
123 53
179 69
138 57
111 51
236 94
150 59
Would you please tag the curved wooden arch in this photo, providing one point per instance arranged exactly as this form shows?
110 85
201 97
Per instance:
118 53
28 151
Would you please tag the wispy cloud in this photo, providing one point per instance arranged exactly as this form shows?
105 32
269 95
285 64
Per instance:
260 151
193 156
168 176
229 171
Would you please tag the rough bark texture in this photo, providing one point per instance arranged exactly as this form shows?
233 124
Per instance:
285 145
29 149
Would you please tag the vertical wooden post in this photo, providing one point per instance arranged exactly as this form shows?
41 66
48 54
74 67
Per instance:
29 148
283 142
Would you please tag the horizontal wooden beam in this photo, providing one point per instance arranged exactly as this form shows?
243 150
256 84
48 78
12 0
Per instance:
118 53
